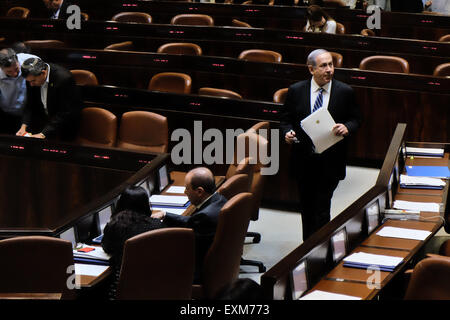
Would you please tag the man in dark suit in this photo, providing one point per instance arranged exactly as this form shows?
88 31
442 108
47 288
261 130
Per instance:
318 174
57 9
53 101
200 190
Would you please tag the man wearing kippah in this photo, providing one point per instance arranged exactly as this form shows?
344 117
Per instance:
53 101
12 90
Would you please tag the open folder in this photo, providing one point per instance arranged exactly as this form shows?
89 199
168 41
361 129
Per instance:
318 127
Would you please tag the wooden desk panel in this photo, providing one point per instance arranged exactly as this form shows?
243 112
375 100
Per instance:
419 198
348 288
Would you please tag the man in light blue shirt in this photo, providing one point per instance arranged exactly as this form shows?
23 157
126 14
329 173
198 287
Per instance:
12 90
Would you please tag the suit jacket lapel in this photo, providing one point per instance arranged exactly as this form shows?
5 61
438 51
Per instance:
50 90
332 101
306 100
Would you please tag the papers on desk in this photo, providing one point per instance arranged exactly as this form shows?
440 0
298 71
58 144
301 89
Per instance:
323 295
364 260
428 171
176 189
91 255
425 152
416 206
175 201
170 210
421 182
318 127
403 233
89 269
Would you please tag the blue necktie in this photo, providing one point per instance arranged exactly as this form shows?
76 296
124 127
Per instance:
319 100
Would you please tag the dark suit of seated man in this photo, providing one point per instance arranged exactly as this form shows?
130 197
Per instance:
53 101
200 189
57 9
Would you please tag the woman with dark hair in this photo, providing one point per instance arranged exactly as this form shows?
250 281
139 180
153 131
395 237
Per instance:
135 199
132 216
319 21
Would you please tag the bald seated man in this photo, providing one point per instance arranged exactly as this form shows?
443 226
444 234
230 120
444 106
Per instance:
200 188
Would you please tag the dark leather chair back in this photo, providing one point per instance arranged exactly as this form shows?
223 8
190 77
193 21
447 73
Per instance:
385 63
36 264
134 17
333 3
236 184
143 130
215 92
445 38
249 139
260 55
171 82
221 264
340 28
181 48
84 77
158 265
368 33
338 60
240 24
442 70
430 280
280 95
37 44
98 127
18 12
120 46
193 20
444 250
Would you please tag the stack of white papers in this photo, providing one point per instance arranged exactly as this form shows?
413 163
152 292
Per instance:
89 269
427 152
323 295
176 189
421 181
416 206
403 233
364 260
176 201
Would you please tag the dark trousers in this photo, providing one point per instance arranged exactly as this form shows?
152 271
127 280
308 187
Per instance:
315 193
9 124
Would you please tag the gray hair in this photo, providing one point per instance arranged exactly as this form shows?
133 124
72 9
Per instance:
33 66
8 57
311 61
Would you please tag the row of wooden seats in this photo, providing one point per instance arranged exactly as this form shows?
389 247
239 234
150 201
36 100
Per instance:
136 130
375 63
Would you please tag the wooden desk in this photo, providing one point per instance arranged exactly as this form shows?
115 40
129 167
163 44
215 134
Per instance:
324 273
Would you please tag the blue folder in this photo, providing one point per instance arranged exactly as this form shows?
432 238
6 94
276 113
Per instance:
367 266
428 171
91 261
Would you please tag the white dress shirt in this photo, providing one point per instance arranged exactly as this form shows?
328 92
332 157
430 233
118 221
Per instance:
315 92
44 90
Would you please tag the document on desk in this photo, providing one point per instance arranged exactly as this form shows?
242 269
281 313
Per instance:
425 152
364 260
318 127
416 206
89 269
403 233
170 210
176 201
176 189
421 182
324 295
91 252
